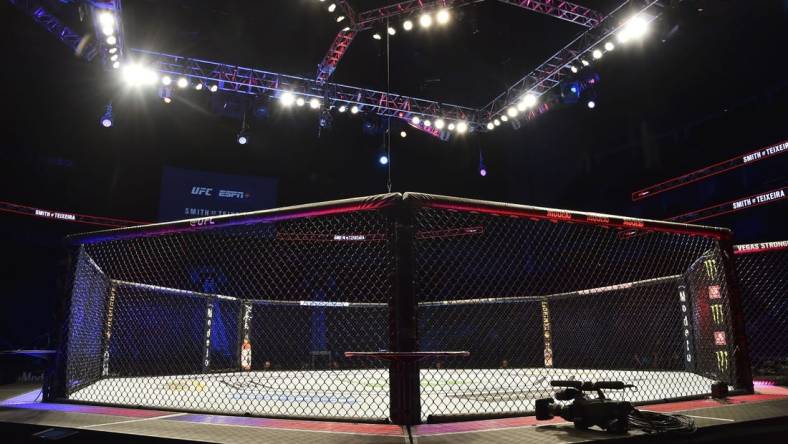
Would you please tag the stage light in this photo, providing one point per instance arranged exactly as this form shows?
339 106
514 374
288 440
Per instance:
504 118
483 172
392 31
332 7
377 36
573 69
286 99
346 29
183 82
529 100
452 127
584 62
112 40
443 16
462 127
167 100
597 54
166 80
383 159
407 25
427 123
491 126
512 111
106 119
440 124
198 87
106 19
403 134
416 120
497 122
609 46
114 58
342 108
116 65
635 28
112 50
340 18
300 101
136 75
214 88
107 30
354 109
314 103
521 106
591 104
242 139
425 21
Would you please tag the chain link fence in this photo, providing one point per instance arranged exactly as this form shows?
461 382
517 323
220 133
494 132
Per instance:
252 314
763 274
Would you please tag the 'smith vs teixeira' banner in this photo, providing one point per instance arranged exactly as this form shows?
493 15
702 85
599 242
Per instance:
735 205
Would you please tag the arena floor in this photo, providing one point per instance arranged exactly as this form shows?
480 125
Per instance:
364 393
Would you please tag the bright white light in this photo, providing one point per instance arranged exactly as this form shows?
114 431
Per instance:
403 134
116 65
440 124
314 103
114 57
512 111
198 87
106 19
107 30
416 120
597 54
452 126
332 7
504 118
609 46
427 123
111 40
462 127
183 82
168 100
113 50
497 122
591 104
106 122
635 28
300 101
214 88
242 140
490 126
443 16
529 100
584 62
392 31
286 99
384 159
377 36
407 25
340 18
425 21
354 109
342 108
136 75
346 29
166 80
574 69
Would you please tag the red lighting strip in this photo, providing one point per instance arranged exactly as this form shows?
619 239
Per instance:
732 206
718 168
65 216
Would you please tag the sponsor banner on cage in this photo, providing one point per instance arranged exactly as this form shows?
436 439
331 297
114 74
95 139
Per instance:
686 325
760 247
732 206
189 194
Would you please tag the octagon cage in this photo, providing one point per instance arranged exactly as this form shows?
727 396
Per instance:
254 314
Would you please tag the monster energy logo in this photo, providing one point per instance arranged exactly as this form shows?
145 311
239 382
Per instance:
717 313
722 360
711 268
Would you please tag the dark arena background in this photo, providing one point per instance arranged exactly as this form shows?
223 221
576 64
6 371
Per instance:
376 221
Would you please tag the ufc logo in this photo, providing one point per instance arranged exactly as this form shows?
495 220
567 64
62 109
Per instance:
202 191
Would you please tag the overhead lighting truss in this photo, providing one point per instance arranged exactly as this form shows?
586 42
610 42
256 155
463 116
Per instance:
54 26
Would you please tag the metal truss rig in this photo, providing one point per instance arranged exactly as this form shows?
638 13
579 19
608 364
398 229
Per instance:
40 15
238 79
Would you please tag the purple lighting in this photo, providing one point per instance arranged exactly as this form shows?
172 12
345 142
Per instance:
483 172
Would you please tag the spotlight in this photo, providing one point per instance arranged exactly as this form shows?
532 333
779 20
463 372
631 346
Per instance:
609 46
440 124
591 104
106 19
392 31
136 75
512 111
166 80
314 103
183 82
116 65
332 7
425 21
635 28
403 134
346 29
407 25
497 122
529 100
340 18
452 127
443 16
107 30
167 100
462 127
300 101
504 118
521 106
574 69
198 87
106 119
427 123
377 36
491 126
584 62
416 120
342 108
597 54
214 88
287 98
383 159
354 109
483 171
114 58
242 139
112 50
112 40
